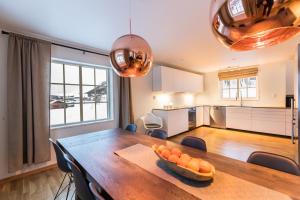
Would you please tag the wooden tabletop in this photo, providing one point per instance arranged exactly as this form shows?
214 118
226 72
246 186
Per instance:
94 153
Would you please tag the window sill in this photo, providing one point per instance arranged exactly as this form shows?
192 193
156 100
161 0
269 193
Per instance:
249 99
79 124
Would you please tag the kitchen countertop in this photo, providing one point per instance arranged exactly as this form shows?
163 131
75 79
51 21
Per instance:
187 107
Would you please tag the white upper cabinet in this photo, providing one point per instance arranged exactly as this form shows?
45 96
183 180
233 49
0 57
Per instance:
166 79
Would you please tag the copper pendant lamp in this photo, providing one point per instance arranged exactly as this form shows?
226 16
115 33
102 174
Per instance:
131 55
251 24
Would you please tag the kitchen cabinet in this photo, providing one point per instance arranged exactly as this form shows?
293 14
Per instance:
268 120
206 116
199 116
174 121
166 79
238 118
276 121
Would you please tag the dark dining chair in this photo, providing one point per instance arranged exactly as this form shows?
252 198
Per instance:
274 161
161 134
64 167
82 190
194 142
95 191
131 127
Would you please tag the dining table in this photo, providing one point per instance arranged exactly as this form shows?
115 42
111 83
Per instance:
95 154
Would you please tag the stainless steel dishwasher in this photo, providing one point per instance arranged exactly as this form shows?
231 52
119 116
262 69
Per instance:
217 115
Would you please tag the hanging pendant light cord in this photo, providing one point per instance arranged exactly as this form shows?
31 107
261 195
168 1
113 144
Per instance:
130 28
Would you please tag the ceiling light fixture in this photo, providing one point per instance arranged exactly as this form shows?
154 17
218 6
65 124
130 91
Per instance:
131 55
252 24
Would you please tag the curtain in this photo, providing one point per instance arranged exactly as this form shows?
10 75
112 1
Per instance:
238 73
125 103
28 75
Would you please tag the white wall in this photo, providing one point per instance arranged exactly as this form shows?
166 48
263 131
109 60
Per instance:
57 52
272 87
290 77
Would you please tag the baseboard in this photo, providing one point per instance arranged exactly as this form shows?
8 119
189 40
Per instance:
19 176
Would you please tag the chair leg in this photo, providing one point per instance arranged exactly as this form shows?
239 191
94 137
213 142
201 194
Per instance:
77 197
69 186
68 191
58 193
73 195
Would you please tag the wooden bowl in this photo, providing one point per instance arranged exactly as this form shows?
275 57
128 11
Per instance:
187 173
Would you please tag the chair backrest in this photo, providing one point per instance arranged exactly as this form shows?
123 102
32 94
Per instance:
150 118
194 142
95 192
60 157
131 128
81 184
161 134
274 161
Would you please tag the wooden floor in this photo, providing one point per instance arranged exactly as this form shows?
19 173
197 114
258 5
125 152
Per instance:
239 144
42 186
234 144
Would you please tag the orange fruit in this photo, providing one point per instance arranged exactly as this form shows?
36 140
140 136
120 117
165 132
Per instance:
204 167
194 165
185 156
183 160
160 148
173 158
166 153
176 151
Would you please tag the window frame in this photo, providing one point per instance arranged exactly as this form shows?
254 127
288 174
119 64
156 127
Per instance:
109 98
238 89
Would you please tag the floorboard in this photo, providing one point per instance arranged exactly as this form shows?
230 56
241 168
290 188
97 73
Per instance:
240 144
41 186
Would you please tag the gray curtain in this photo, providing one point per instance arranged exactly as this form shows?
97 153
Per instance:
28 101
125 103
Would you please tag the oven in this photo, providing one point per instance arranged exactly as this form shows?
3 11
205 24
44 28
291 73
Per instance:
192 118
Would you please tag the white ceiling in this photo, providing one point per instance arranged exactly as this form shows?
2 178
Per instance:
178 31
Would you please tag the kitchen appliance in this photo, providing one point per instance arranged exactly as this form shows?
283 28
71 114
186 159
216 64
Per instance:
292 100
192 118
289 99
217 115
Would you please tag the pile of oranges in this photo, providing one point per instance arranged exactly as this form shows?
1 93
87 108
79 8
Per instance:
175 155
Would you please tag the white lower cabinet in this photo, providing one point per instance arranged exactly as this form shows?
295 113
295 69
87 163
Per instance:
238 118
174 121
199 116
265 120
268 120
206 115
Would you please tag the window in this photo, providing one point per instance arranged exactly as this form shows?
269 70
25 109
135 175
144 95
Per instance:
245 88
79 93
236 7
